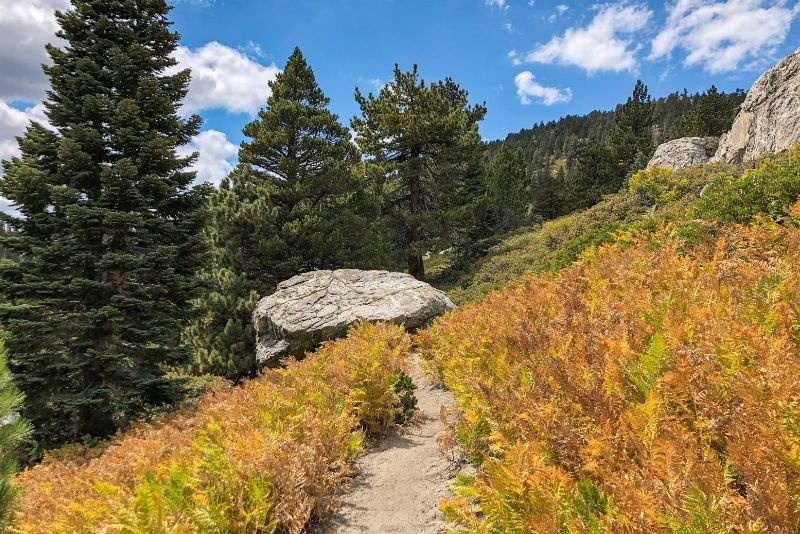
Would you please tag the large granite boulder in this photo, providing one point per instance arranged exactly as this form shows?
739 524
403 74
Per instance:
769 120
680 153
320 305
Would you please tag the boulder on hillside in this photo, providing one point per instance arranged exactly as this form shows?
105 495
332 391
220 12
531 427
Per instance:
680 153
769 120
320 305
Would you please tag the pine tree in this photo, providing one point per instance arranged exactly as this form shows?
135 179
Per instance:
423 141
507 187
294 204
14 430
596 172
712 115
95 304
547 195
632 135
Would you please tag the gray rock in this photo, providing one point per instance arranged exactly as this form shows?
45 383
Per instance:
680 153
320 305
769 120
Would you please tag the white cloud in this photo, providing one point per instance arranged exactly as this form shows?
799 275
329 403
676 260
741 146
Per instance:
25 27
560 10
500 4
225 78
215 155
513 56
530 91
508 27
605 44
13 123
720 36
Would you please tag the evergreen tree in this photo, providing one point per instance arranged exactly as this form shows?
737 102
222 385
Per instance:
595 173
472 217
548 194
294 204
95 304
14 430
712 116
423 141
632 135
507 188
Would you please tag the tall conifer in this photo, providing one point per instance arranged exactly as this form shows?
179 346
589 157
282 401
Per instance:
423 141
94 306
294 204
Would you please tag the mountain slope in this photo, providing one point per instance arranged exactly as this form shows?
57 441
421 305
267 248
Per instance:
649 388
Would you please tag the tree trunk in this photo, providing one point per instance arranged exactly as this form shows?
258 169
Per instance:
416 265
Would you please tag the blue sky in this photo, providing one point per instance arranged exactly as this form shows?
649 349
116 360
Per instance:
529 61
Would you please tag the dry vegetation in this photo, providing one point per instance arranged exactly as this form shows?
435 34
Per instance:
650 388
264 457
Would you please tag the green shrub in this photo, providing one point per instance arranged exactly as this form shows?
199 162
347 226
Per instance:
658 185
767 189
404 387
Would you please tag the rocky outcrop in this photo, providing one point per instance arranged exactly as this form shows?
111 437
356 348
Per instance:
680 153
320 305
769 119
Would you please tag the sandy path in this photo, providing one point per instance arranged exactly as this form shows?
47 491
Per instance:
403 478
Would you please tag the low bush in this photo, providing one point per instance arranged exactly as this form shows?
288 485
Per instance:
768 189
652 387
266 456
658 185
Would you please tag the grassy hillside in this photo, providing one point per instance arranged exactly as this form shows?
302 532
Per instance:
653 195
651 387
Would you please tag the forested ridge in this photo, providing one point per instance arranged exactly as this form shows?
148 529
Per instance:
618 363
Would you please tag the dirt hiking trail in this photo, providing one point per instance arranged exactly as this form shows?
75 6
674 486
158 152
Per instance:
402 479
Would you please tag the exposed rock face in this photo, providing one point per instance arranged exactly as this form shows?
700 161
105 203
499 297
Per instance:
680 153
316 306
769 120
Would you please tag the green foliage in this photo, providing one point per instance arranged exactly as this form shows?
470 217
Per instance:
557 243
712 115
507 188
584 509
14 430
294 204
423 144
596 172
551 150
658 185
701 514
106 240
548 246
632 136
643 375
766 189
404 387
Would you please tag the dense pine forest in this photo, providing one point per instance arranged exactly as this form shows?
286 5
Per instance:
128 290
